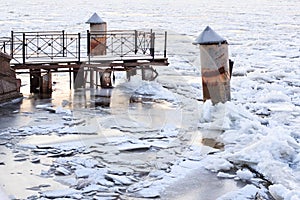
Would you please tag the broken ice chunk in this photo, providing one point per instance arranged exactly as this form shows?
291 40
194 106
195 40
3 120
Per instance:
62 171
123 180
128 146
59 193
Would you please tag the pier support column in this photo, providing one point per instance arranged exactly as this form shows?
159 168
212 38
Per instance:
35 77
92 80
46 83
105 79
78 78
130 72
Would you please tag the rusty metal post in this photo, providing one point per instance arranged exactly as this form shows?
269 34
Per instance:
214 66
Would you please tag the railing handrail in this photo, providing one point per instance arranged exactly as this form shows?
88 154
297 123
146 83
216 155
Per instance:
21 32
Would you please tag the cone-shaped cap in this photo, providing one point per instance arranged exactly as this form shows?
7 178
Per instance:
95 19
209 36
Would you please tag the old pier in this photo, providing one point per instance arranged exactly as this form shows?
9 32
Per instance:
90 58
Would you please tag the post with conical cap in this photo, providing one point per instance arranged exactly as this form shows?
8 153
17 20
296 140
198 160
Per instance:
97 42
214 66
98 29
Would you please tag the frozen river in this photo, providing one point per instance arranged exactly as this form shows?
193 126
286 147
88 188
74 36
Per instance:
138 149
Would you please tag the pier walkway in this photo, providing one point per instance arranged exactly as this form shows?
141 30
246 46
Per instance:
97 51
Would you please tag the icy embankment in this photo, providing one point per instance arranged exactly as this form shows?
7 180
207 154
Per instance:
262 145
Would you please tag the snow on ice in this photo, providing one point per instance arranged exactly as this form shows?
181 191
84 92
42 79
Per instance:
254 152
270 150
259 128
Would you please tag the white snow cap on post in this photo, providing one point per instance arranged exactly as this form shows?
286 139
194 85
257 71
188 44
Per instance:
95 19
98 29
209 36
214 66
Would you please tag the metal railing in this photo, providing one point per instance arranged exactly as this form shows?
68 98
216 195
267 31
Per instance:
26 47
122 43
5 44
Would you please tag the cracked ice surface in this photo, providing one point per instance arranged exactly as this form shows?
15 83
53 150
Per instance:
258 130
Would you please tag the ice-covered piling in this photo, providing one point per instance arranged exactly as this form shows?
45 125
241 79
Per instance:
214 66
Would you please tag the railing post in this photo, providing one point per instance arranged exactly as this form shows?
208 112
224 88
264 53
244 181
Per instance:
63 42
12 45
23 48
88 42
165 47
144 48
135 41
152 44
79 47
122 45
3 45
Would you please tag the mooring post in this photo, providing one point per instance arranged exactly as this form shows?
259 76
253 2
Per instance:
98 29
96 41
214 66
